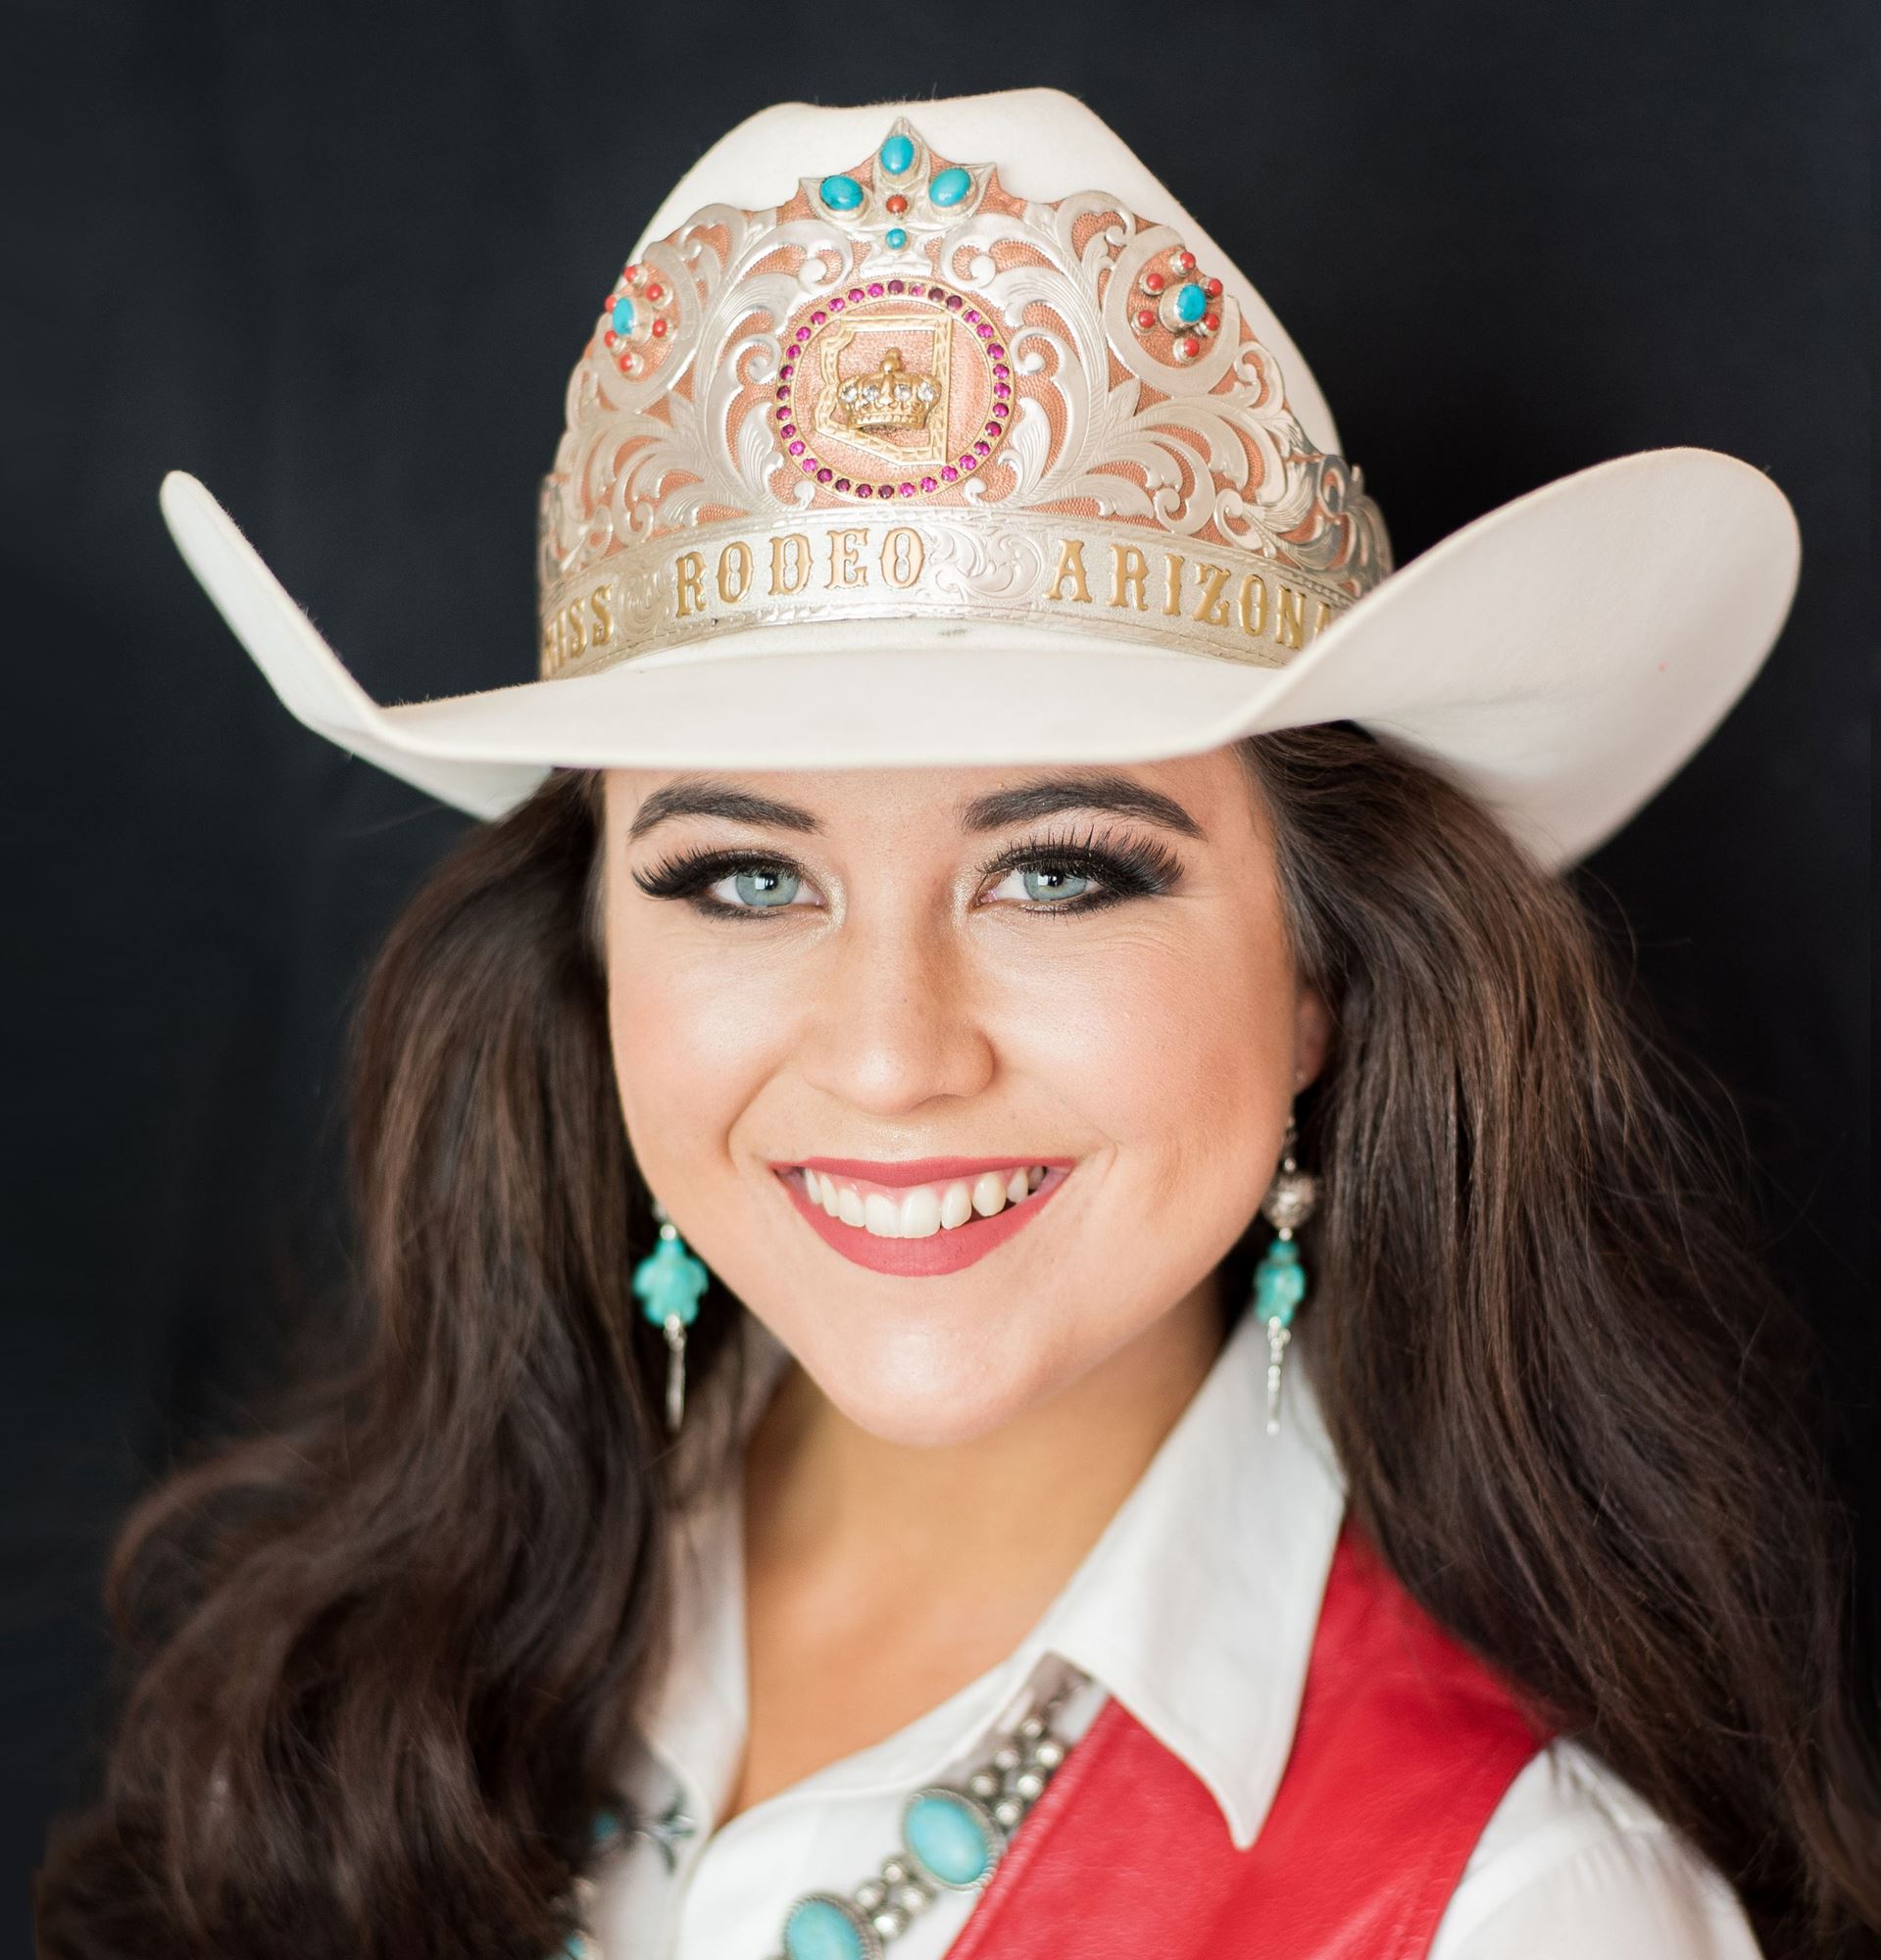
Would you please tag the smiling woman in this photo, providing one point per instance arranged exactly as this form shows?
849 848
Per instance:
1023 1284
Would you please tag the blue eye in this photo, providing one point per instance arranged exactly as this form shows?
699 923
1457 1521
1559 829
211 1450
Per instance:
764 885
1054 881
1070 875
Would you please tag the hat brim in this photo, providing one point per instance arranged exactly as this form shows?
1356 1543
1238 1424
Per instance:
1560 657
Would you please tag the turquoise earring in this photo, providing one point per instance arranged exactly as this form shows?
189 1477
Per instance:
667 1282
1280 1281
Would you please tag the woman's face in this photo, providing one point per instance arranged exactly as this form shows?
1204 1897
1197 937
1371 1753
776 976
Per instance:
1033 1032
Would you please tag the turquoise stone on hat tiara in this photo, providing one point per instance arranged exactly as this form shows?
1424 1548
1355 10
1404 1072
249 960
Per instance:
950 187
895 195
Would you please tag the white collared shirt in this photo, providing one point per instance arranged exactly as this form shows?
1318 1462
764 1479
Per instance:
1227 1530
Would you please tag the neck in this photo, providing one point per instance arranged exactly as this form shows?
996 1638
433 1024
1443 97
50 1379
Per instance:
864 1526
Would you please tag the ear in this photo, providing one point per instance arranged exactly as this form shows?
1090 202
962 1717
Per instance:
1311 1036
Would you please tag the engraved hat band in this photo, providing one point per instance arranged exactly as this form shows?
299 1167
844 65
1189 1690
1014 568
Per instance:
1020 567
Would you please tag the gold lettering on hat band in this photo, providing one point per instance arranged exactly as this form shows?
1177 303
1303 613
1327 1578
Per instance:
1054 572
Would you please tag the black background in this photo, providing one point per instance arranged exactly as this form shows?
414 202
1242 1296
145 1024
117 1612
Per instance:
338 259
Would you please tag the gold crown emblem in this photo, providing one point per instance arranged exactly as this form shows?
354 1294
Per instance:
889 398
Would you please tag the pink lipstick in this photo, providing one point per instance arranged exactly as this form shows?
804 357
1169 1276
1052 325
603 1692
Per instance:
947 1250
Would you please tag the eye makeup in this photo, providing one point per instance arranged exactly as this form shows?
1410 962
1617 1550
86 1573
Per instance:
687 875
1122 866
1126 867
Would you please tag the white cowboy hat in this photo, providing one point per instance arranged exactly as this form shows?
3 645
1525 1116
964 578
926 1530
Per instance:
940 433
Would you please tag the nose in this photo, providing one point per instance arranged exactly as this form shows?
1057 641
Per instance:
893 1014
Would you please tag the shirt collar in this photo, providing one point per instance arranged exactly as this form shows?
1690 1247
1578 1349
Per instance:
1195 1608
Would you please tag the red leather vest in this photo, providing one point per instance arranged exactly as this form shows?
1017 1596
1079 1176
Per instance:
1405 1746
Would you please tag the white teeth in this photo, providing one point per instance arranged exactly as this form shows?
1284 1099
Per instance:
921 1210
920 1214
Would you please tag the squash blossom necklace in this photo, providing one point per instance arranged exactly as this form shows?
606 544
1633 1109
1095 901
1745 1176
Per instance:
954 1837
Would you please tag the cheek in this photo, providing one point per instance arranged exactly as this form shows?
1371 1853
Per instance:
694 1029
1177 1044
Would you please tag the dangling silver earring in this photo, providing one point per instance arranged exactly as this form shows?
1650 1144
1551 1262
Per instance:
668 1282
1280 1281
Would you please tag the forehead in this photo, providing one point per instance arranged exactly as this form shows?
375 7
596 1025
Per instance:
1190 794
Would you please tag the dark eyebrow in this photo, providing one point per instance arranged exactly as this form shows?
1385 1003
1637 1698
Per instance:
1047 796
706 797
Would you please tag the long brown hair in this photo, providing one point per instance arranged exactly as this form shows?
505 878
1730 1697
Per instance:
383 1661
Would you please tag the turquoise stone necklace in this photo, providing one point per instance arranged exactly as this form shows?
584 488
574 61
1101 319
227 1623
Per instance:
954 1837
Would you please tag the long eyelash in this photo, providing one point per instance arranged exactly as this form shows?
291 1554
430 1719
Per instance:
687 873
1129 866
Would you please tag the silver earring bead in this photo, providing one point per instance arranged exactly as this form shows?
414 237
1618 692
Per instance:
1294 1193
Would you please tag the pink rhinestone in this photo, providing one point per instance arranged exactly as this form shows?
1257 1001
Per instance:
864 489
1001 389
896 286
1002 408
786 372
930 482
983 448
991 429
954 302
817 318
969 463
783 394
803 333
884 489
950 474
797 448
789 428
823 476
809 466
874 290
908 489
937 293
1001 370
838 304
855 292
997 354
970 315
841 483
984 332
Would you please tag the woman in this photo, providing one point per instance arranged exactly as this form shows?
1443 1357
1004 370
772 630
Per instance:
948 996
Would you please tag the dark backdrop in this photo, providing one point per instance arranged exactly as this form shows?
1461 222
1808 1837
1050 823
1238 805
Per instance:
337 260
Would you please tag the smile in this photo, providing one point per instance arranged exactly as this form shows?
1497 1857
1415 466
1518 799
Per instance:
922 1217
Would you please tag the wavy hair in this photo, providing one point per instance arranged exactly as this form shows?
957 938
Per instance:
380 1661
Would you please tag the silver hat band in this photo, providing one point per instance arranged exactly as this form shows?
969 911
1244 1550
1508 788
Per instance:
1143 585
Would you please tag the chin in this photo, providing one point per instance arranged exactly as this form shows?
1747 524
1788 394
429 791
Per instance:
928 1389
